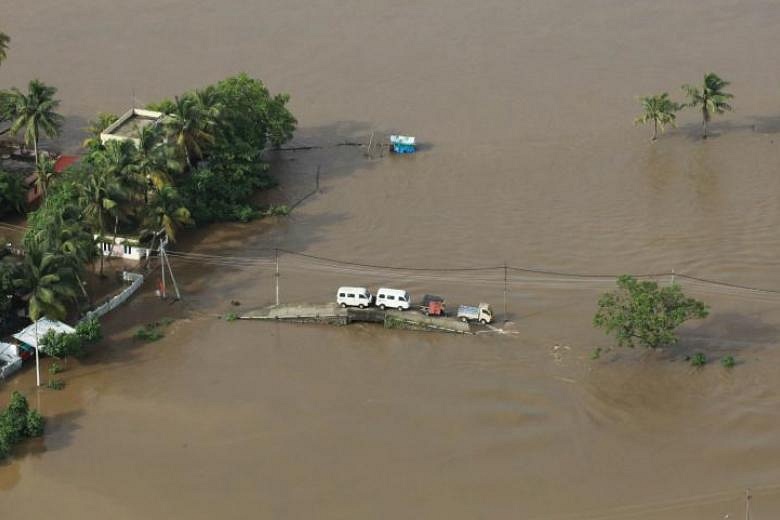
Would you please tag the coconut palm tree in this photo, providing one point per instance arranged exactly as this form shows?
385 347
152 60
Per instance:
99 199
710 97
49 284
167 212
155 161
190 128
4 41
659 110
96 127
44 174
34 111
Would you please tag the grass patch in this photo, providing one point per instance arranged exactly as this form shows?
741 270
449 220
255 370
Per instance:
728 362
596 353
153 331
231 316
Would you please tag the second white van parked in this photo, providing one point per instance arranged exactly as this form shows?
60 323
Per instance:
354 297
393 299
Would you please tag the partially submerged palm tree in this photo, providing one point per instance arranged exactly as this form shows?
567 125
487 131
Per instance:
34 112
659 110
710 97
49 284
4 40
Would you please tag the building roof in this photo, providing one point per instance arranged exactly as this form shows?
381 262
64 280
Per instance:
30 336
126 127
63 161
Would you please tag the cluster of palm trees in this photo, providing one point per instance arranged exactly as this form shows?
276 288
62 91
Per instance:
117 185
661 111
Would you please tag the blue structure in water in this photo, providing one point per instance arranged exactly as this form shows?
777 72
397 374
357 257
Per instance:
403 144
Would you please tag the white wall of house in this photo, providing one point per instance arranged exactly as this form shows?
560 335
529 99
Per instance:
121 247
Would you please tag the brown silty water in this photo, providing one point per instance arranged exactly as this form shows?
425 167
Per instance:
529 157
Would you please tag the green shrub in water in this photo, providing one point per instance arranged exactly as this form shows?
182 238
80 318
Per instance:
728 362
699 360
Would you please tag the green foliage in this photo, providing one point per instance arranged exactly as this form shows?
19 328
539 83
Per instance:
95 127
710 97
90 330
230 126
4 41
231 316
166 210
13 193
9 302
62 344
55 384
658 110
49 284
698 360
281 210
34 424
596 353
34 111
150 332
644 313
18 422
54 368
728 362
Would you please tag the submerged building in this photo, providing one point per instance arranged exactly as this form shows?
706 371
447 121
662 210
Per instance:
126 127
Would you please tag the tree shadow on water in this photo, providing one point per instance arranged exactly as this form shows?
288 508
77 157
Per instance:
58 434
727 334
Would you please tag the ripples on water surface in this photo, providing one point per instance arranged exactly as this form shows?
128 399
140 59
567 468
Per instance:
525 109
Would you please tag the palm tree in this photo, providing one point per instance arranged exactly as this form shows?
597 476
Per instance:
34 111
49 284
99 199
154 160
4 41
44 174
190 128
96 127
167 212
658 109
710 97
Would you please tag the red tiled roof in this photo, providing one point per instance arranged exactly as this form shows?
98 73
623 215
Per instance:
63 161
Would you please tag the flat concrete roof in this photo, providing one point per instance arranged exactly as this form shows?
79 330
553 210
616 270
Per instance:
127 127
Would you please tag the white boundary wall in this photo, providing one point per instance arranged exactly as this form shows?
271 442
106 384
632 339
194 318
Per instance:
135 279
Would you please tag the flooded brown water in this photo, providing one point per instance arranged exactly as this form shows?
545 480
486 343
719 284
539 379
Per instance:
529 157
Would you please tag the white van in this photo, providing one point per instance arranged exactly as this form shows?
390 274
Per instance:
393 299
354 297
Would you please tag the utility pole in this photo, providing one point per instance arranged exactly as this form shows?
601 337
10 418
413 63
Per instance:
747 504
163 261
170 271
37 362
506 317
276 276
672 276
162 265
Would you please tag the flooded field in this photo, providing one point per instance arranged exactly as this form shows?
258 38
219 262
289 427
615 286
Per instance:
529 157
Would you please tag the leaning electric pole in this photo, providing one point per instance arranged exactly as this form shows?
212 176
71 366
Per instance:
163 261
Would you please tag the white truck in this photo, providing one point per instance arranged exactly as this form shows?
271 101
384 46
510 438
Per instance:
481 313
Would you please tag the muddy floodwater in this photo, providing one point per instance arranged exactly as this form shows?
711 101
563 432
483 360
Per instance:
528 156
